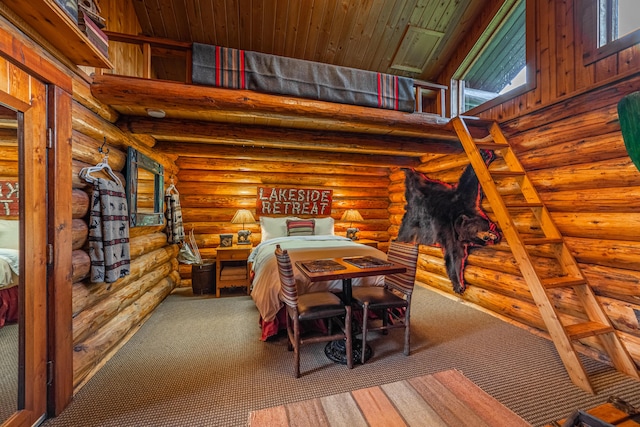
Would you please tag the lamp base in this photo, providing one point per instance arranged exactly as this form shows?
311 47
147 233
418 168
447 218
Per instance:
243 237
352 233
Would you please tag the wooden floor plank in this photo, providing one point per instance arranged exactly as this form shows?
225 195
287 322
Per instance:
376 407
485 406
342 409
445 399
413 408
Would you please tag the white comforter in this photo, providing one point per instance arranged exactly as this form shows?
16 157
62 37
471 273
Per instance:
266 282
8 265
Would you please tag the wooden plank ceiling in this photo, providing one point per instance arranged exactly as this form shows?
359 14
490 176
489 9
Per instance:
412 38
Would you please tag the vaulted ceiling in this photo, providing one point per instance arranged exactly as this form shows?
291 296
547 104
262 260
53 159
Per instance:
413 38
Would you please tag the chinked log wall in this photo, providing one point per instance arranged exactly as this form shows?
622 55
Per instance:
104 314
212 187
574 154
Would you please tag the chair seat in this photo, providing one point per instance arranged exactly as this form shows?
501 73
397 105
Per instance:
319 305
377 295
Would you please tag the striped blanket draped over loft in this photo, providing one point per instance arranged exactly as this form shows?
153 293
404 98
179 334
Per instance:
240 69
108 232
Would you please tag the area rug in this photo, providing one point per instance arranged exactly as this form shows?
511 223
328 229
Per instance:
446 398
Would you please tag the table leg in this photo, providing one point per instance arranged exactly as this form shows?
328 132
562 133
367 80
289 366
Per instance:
336 350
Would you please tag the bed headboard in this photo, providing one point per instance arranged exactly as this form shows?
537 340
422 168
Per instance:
9 234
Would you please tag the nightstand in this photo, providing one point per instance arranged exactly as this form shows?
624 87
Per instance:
372 243
232 269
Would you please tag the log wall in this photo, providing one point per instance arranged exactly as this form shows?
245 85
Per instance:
567 136
213 186
104 314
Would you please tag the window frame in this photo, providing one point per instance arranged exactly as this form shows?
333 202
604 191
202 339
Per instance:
589 25
457 84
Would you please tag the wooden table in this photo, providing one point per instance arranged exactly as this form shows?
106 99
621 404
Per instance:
348 273
336 350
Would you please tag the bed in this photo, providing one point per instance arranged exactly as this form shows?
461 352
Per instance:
320 243
9 270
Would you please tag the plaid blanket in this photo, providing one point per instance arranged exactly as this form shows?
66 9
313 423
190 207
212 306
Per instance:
240 69
175 228
108 232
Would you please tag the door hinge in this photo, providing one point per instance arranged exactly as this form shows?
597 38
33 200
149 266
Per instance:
49 254
49 372
49 138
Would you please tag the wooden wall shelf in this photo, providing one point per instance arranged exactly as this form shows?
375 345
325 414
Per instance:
48 19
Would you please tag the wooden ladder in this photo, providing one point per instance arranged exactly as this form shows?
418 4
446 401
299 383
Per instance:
596 322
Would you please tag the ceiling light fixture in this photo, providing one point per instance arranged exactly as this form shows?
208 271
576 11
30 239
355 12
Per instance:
156 113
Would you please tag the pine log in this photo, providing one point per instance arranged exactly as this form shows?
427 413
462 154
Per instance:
9 153
85 295
284 178
613 173
81 265
265 161
82 94
79 233
80 203
144 230
613 226
146 243
600 199
90 321
611 253
617 283
89 352
8 168
573 152
91 125
87 150
247 190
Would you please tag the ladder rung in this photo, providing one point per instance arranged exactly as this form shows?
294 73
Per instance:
490 146
506 173
524 205
587 329
541 240
562 282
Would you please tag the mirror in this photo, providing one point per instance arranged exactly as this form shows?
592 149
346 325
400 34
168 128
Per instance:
145 184
9 262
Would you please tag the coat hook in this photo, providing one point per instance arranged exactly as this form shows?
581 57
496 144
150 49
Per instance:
101 148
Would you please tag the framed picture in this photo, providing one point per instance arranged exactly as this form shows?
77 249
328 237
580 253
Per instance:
226 240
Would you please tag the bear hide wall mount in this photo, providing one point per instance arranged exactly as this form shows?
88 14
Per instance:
450 216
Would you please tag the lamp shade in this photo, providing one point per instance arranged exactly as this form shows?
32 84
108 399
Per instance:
243 216
351 215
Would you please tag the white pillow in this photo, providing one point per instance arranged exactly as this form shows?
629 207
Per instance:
9 234
324 226
272 227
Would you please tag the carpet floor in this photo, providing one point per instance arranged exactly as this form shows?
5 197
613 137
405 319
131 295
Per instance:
198 361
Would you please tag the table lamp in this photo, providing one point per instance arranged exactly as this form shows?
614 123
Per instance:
351 215
243 216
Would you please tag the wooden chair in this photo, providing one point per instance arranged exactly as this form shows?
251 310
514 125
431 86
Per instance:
312 306
393 300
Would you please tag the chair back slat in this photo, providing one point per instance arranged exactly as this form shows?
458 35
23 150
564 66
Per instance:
288 290
405 254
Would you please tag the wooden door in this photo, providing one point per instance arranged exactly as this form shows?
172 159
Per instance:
27 98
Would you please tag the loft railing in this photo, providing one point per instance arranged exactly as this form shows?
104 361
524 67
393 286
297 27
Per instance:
429 97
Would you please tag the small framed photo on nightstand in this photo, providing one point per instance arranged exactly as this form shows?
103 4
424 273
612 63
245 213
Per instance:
226 240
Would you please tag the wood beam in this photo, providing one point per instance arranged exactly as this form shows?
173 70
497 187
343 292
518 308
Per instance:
237 134
250 152
132 96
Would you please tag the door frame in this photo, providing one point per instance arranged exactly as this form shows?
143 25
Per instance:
41 92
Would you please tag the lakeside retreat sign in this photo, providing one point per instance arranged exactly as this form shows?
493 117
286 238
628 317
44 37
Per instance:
293 201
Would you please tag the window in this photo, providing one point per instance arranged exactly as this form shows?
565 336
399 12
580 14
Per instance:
498 66
608 26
